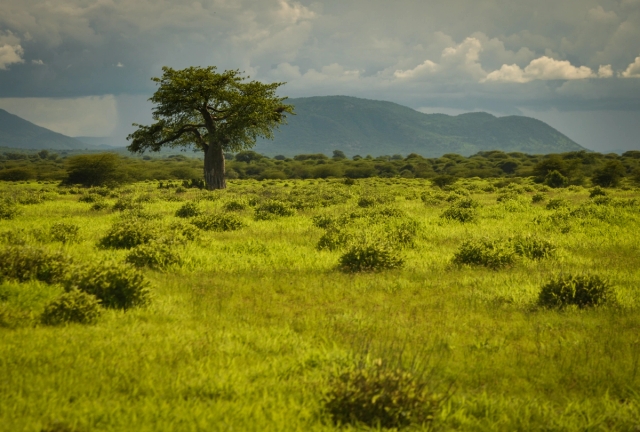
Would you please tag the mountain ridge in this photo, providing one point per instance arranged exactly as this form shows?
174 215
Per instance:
16 132
363 126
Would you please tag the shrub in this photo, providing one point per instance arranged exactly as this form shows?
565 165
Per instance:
404 234
555 179
154 255
465 210
379 396
99 205
582 291
126 203
218 222
539 197
494 254
117 286
94 170
557 203
533 248
128 233
609 175
64 232
182 232
597 192
8 210
25 262
90 198
235 205
370 256
188 210
72 307
444 180
333 239
271 209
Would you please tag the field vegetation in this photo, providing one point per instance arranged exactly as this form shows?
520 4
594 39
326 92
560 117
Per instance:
455 302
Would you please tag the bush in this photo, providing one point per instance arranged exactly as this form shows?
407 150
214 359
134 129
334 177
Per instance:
218 222
72 307
539 197
188 210
25 262
154 255
94 170
370 256
597 192
333 239
404 233
128 233
494 254
8 210
235 205
557 203
127 203
582 291
444 180
378 396
117 286
609 175
460 213
17 174
100 205
272 209
90 198
556 180
64 232
533 248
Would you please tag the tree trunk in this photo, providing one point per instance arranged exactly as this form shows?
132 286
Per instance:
214 167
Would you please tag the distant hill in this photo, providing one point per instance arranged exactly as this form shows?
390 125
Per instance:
362 126
16 132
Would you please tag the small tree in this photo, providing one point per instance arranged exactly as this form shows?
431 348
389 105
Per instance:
216 112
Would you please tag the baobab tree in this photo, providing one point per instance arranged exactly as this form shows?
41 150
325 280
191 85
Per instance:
215 112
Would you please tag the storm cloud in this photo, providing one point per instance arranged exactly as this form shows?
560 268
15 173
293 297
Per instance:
571 56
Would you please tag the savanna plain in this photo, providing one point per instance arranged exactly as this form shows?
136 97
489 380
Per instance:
316 305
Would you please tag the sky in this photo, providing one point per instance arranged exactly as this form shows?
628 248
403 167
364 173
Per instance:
83 67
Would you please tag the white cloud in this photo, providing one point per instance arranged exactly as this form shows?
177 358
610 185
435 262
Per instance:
37 62
605 71
120 65
10 50
633 70
454 60
544 68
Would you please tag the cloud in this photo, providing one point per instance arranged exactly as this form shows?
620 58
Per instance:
459 59
37 62
633 70
546 68
11 51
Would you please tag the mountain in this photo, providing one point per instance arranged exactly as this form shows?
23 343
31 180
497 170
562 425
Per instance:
16 132
362 126
104 143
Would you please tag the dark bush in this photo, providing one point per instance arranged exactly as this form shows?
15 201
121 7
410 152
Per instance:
609 175
73 306
539 197
557 203
494 254
596 192
128 233
380 397
17 174
25 262
218 222
556 180
370 256
465 211
188 210
582 291
117 286
444 180
234 205
94 170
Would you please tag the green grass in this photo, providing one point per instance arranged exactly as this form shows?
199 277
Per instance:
247 332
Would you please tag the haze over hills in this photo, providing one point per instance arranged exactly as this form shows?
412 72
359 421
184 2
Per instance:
362 126
16 132
353 125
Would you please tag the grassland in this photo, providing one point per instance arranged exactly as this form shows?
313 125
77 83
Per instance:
247 330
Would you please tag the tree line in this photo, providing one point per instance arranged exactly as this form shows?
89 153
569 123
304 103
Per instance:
555 170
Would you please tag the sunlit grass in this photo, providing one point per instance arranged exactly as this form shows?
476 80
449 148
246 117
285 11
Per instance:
245 333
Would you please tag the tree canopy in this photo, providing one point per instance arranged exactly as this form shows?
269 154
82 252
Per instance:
215 112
